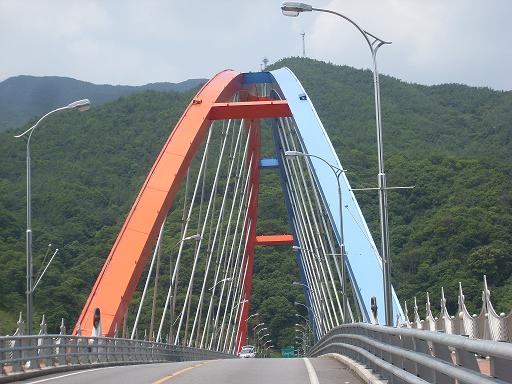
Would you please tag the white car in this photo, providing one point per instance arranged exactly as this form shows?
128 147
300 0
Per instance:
247 351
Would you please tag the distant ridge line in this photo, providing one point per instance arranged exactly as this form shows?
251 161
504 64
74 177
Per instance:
25 96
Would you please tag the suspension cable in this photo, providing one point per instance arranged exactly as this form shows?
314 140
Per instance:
136 322
178 258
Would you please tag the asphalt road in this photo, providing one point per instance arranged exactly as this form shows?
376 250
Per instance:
235 371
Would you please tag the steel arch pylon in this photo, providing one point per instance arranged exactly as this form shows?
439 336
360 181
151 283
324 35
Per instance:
123 267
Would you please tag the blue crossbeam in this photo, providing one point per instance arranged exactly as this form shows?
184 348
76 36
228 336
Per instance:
269 163
257 78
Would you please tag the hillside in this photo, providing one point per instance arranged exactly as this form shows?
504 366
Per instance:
451 141
454 143
23 97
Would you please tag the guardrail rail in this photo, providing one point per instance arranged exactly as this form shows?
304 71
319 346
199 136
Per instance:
51 353
404 355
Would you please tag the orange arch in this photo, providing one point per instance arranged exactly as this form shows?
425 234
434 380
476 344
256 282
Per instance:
121 272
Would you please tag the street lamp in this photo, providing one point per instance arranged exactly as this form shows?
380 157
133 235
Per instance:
171 296
337 173
265 349
254 331
241 302
297 283
374 43
247 323
258 345
256 314
80 105
191 237
310 310
259 330
262 336
304 335
220 281
293 9
305 329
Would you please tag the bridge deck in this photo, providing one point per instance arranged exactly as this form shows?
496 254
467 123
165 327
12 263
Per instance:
237 371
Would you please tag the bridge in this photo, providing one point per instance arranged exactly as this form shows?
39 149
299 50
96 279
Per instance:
204 185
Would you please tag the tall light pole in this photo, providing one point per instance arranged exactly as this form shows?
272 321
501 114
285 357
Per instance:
337 173
315 316
374 43
80 105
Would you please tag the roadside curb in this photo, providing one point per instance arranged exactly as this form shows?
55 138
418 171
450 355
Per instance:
365 374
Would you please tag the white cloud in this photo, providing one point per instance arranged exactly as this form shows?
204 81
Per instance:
135 42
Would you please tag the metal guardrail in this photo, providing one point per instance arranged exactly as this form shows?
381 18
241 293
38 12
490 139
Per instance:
404 355
23 354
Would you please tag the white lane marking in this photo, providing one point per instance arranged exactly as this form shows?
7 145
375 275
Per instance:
313 378
70 374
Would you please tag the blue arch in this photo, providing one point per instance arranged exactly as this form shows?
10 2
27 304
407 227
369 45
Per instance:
364 263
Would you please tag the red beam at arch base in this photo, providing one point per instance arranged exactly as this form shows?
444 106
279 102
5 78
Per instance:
271 240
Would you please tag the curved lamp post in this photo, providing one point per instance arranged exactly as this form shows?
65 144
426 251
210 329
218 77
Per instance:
337 172
315 316
374 43
297 283
254 331
80 105
247 323
222 281
259 340
255 314
307 320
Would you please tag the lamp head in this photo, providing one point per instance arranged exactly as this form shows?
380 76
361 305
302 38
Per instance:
293 153
291 8
80 105
191 237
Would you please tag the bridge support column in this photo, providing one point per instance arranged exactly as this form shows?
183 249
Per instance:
254 150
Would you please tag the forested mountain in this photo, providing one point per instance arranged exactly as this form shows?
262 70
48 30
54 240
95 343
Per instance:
23 97
452 142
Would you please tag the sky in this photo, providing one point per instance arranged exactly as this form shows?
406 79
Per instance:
137 42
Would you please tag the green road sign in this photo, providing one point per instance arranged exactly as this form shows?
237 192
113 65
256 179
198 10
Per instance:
287 352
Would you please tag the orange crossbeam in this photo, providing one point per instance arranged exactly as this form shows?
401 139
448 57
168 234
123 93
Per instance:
250 110
274 240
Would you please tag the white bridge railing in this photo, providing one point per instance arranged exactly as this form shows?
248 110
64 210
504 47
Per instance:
27 356
403 355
